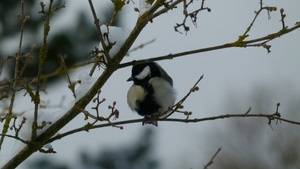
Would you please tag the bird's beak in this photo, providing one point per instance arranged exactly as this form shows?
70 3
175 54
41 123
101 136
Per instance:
130 79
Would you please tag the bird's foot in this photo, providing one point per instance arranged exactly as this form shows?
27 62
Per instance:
150 120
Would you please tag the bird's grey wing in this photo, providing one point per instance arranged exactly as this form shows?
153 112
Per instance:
165 75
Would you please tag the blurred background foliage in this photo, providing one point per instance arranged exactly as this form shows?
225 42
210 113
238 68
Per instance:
138 155
253 143
73 40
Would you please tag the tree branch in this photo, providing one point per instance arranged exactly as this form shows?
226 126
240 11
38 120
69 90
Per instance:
166 9
212 159
96 21
270 117
16 81
237 43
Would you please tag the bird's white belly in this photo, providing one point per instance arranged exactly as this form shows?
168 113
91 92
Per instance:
135 93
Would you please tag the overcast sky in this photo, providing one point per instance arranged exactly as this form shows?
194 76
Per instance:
237 70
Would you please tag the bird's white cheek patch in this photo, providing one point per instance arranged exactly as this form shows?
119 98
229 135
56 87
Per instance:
144 73
135 93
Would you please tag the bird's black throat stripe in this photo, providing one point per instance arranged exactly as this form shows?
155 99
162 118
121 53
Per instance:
148 106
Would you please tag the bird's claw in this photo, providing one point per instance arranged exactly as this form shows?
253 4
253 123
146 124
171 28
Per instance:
149 120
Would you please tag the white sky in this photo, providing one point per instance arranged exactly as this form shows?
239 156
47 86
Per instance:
239 70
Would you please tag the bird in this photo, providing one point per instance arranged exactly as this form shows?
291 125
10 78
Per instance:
151 94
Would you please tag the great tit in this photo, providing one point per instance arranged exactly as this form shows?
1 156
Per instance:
152 93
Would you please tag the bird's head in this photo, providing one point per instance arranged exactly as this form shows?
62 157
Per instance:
142 73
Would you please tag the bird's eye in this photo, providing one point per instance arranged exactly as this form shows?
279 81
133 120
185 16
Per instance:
144 73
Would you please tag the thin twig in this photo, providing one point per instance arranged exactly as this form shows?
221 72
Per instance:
71 85
178 105
42 57
165 9
113 18
9 115
257 13
212 159
61 69
282 18
140 46
17 138
248 111
192 15
96 21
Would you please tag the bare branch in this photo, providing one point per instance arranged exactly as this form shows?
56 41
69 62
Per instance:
192 15
96 21
9 115
270 117
212 159
62 69
243 44
179 105
166 8
140 46
42 56
71 85
282 18
17 138
118 5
